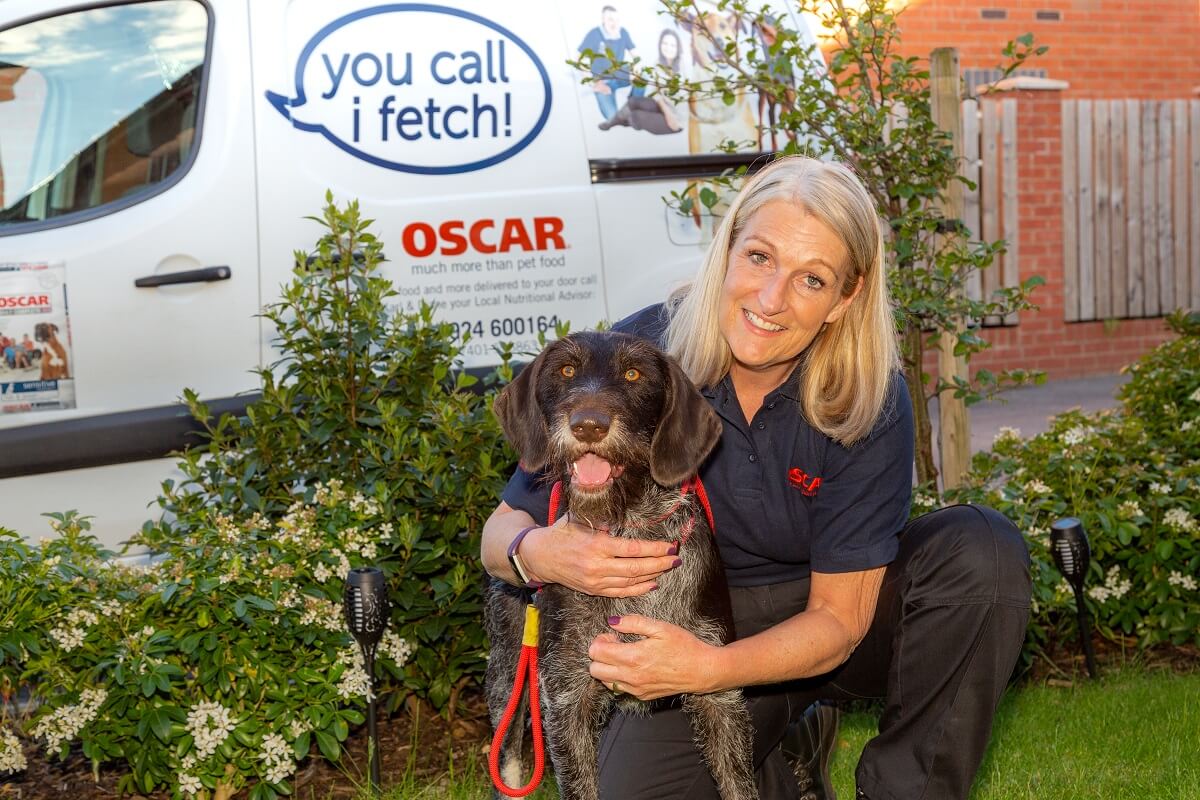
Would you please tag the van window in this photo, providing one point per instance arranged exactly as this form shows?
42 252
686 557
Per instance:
97 108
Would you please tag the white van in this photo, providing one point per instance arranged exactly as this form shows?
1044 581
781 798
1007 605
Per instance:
157 160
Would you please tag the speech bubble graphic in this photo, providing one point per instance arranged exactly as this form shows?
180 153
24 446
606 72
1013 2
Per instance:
419 88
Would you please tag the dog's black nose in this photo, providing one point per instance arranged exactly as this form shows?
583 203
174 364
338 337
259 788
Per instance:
589 425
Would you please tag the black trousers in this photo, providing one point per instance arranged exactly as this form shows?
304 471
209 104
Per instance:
947 632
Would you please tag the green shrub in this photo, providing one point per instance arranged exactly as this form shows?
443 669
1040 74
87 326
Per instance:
227 661
222 664
1131 475
375 400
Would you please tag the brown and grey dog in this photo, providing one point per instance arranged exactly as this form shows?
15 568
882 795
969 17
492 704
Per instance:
54 355
622 426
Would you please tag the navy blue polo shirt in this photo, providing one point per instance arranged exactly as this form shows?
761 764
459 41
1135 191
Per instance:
787 500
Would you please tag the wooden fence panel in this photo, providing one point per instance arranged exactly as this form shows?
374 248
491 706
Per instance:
1194 195
970 171
1011 275
1150 208
1070 190
1131 207
1087 218
1118 297
1179 205
1133 221
1164 218
1101 203
989 176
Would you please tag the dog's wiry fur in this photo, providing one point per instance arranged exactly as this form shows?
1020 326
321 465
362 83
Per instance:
659 429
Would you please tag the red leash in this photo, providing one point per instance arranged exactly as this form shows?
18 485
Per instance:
527 665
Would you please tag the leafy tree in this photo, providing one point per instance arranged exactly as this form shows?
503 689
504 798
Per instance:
871 110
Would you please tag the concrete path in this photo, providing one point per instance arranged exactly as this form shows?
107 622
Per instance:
1030 408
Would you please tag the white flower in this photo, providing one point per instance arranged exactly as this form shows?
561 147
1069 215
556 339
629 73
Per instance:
1187 426
1195 396
397 649
322 613
52 561
65 722
922 500
1114 587
278 757
1006 434
355 681
1160 488
68 638
322 573
190 784
1179 520
369 551
1129 509
210 723
1177 578
1035 487
12 757
1076 435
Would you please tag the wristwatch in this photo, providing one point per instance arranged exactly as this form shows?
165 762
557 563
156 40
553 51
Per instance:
514 559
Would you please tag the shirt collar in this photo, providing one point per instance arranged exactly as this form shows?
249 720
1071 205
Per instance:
789 389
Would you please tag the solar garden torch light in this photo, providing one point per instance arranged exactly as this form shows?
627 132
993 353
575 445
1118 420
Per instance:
1071 551
367 612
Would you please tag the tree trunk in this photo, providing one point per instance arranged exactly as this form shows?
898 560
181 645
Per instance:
923 428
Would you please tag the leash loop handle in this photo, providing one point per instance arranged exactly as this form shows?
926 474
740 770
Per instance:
528 665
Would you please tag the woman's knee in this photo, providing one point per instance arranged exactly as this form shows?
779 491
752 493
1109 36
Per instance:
968 553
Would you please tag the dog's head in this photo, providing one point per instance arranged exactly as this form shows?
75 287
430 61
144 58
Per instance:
711 30
44 331
610 411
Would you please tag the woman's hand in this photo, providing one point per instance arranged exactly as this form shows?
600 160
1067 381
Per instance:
592 562
667 661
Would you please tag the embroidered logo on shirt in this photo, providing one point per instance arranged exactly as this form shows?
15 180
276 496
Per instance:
807 484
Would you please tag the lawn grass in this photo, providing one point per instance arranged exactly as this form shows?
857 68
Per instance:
1127 735
1131 734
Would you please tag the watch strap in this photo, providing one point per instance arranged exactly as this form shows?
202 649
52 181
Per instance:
514 559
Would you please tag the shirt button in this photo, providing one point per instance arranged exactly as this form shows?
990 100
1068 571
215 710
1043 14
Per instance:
762 425
753 458
770 406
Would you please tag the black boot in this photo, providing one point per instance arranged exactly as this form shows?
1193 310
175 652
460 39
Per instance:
808 745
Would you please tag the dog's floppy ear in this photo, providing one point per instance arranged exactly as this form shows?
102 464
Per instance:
521 418
686 433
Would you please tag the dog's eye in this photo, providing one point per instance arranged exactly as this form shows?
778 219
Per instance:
632 375
567 371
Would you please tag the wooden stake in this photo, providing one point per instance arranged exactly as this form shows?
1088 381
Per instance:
955 426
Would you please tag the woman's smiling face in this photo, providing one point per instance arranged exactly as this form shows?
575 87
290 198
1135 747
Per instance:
784 281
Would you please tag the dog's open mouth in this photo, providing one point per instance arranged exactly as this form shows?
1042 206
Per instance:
591 473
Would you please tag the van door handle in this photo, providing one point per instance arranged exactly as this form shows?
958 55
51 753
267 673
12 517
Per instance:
205 275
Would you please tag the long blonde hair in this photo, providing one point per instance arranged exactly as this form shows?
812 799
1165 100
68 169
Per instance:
848 367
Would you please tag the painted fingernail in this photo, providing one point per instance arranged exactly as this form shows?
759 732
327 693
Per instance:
673 550
676 563
655 586
614 620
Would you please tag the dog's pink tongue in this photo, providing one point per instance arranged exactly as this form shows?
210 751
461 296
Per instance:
592 470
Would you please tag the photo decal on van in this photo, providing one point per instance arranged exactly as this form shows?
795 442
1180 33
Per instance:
377 85
36 367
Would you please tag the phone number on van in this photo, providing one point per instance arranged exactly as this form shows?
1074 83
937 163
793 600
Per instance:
506 326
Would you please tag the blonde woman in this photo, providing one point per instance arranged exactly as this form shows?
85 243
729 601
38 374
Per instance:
788 331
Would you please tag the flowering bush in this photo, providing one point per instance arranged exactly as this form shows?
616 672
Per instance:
221 665
1132 476
373 402
226 661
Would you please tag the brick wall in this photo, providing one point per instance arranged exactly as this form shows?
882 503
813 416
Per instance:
1148 49
1042 339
